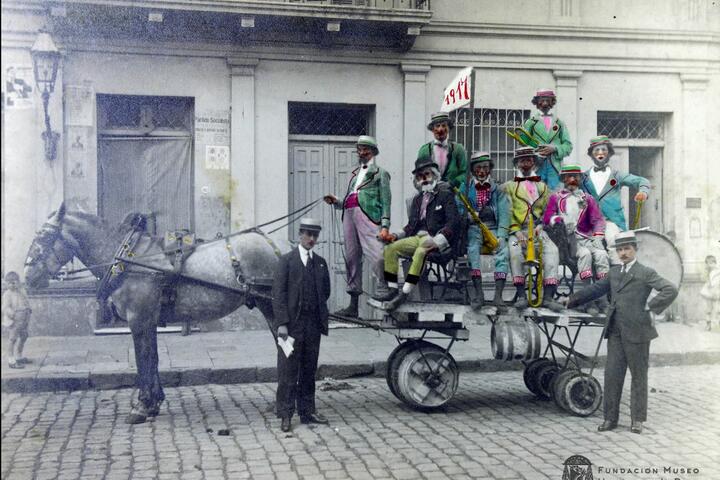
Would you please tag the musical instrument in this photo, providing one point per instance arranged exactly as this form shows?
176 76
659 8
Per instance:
490 242
523 137
534 277
638 209
656 251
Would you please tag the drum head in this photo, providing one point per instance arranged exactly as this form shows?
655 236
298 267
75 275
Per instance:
659 253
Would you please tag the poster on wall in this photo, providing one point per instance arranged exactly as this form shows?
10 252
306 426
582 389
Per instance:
217 157
79 105
78 151
18 87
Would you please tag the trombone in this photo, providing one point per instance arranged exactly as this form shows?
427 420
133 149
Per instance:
534 278
525 138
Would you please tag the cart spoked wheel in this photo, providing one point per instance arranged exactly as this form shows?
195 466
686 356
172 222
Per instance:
557 387
427 377
530 374
583 394
394 360
543 379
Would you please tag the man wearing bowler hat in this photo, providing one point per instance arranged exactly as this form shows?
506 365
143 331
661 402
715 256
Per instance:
449 156
366 220
301 287
629 328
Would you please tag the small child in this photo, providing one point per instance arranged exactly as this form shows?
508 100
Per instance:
16 318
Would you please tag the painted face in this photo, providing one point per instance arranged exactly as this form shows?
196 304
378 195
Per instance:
365 153
308 239
600 155
526 165
425 180
626 253
545 104
482 170
571 181
441 130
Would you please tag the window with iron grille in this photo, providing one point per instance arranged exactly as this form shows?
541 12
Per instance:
140 111
487 133
647 125
328 119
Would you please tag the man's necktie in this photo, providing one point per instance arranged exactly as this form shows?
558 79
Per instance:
598 169
424 205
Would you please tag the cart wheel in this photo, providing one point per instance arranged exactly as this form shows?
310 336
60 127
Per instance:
583 394
543 378
557 387
530 373
427 377
393 363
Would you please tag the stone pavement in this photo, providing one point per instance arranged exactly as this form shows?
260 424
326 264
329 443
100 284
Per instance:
102 362
493 429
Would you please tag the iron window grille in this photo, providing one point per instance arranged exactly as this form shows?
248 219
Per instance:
139 111
328 119
489 135
637 125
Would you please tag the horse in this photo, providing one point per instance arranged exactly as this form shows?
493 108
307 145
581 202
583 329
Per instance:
215 278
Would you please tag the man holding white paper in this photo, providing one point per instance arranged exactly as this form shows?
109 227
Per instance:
301 288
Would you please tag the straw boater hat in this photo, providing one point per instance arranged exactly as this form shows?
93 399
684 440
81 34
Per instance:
310 224
570 169
523 152
421 163
368 141
479 157
626 238
543 92
440 117
601 140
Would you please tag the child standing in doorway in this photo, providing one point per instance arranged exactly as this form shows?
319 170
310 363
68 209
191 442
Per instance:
16 318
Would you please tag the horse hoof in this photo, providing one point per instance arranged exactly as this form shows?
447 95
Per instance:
135 418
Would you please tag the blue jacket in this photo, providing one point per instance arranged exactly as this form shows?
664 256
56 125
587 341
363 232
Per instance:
609 198
499 204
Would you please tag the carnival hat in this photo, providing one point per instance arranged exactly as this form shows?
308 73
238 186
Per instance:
439 117
570 169
543 92
368 141
626 238
523 152
310 224
601 140
479 157
421 163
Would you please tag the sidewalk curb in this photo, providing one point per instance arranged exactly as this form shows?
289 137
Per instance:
203 376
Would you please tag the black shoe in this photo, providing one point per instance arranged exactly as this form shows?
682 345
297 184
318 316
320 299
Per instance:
396 302
477 295
636 427
352 309
286 424
314 418
387 295
607 425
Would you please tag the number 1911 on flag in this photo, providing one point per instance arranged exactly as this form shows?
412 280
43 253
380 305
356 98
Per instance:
458 93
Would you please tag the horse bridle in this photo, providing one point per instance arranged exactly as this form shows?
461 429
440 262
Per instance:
45 239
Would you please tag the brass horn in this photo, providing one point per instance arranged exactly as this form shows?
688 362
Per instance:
534 278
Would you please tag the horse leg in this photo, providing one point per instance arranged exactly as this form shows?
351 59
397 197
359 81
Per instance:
148 381
265 307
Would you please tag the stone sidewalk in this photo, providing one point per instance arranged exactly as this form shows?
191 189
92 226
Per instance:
106 362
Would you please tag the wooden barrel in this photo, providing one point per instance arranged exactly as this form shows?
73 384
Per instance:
515 340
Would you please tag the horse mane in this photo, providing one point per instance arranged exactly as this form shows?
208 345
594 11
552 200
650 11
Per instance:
132 221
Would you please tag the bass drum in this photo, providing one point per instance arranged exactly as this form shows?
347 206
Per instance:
657 252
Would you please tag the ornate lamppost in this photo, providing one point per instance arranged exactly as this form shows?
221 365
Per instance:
46 58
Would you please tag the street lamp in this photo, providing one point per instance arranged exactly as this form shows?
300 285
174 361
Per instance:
46 57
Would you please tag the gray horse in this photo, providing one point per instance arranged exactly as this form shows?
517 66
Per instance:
217 277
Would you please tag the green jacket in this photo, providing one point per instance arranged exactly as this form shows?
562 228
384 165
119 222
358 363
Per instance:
520 203
457 167
373 195
559 137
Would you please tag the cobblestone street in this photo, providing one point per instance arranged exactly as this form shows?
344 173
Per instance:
493 428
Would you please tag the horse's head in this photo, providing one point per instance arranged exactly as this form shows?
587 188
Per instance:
50 250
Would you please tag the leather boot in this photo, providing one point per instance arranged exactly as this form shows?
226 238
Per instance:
396 302
520 298
549 298
352 309
499 287
590 307
477 299
387 295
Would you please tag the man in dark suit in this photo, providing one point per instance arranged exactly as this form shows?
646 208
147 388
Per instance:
301 288
629 329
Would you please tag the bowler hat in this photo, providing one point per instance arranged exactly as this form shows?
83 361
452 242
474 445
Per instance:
439 117
310 224
421 163
626 238
368 141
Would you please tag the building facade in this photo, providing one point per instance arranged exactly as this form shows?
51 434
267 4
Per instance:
216 116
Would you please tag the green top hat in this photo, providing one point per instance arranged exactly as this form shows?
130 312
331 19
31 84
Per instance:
439 117
368 141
